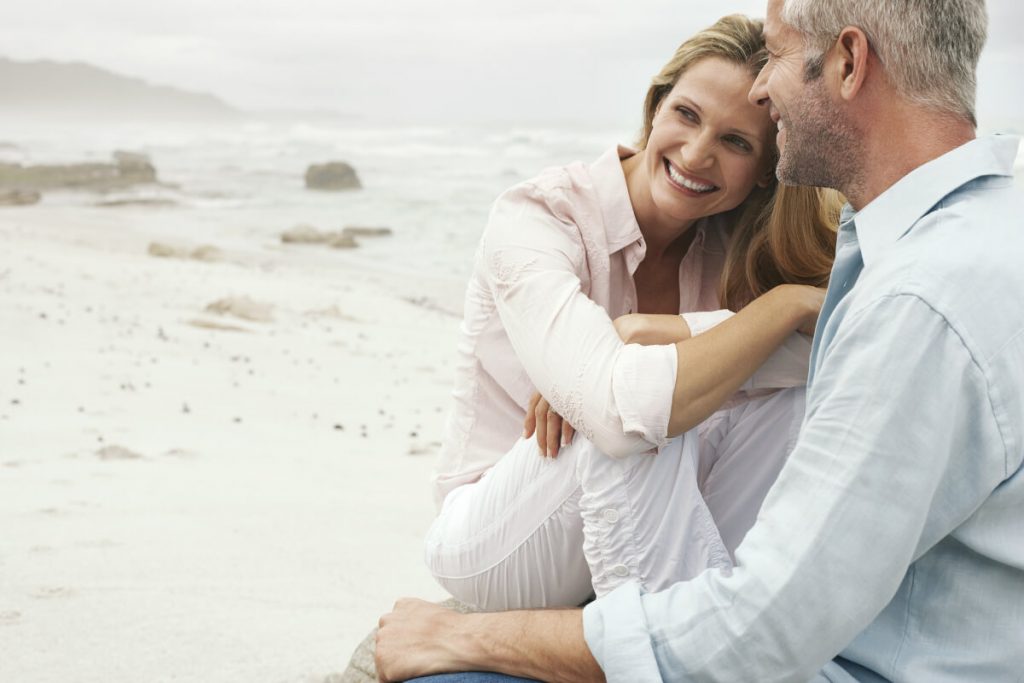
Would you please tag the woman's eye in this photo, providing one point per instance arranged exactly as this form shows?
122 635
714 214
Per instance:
739 143
687 114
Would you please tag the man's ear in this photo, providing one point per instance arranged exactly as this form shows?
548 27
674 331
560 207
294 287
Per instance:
849 63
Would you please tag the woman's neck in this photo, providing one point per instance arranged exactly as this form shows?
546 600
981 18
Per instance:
666 238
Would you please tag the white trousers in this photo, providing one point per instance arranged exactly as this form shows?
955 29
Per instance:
540 532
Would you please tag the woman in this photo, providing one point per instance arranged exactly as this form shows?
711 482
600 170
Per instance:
691 222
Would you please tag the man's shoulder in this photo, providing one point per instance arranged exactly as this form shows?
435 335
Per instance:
965 253
960 264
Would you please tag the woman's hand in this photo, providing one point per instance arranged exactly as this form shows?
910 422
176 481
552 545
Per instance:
553 431
809 300
649 329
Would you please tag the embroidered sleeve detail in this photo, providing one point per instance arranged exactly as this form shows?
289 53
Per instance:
506 271
569 403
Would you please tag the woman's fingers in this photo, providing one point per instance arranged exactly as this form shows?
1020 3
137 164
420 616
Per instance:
551 430
531 418
554 433
567 433
541 421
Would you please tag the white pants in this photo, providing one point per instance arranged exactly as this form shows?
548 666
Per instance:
541 532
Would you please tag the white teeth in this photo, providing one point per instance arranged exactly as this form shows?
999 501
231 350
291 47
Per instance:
688 184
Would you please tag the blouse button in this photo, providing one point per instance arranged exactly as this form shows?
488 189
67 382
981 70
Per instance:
620 570
610 515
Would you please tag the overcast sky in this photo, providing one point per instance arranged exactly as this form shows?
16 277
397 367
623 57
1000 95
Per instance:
528 61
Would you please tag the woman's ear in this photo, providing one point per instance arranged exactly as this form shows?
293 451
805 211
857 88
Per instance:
767 177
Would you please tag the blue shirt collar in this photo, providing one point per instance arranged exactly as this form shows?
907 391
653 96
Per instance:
894 212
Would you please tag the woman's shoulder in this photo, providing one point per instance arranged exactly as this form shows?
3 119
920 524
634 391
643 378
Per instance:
561 189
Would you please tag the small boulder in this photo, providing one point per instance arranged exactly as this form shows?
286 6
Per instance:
113 452
335 175
342 241
207 253
19 197
161 250
242 307
358 231
204 252
305 234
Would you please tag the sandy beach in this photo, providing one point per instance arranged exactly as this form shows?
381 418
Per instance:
215 446
210 470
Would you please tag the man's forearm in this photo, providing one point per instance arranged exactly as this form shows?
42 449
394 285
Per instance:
547 645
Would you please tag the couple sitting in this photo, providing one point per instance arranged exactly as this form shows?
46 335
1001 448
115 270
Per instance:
733 525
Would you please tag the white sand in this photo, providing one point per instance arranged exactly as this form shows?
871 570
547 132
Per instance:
193 495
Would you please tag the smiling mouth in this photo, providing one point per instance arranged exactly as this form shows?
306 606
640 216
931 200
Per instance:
687 182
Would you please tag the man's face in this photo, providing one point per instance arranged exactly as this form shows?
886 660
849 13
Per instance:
814 138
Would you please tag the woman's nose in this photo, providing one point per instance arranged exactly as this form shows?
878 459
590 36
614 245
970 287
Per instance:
698 152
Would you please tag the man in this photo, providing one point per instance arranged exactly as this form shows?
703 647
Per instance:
892 545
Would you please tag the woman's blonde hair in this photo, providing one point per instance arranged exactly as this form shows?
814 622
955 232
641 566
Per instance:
781 234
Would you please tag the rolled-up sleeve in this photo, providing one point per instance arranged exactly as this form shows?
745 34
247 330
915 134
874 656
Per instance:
899 447
618 396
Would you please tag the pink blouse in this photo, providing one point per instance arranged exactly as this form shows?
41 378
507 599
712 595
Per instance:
554 268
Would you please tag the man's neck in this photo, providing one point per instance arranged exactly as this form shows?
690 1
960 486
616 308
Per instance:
909 138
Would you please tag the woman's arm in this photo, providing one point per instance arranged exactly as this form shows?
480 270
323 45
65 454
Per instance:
535 267
648 329
712 366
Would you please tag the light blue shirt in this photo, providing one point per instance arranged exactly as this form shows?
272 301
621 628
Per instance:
894 535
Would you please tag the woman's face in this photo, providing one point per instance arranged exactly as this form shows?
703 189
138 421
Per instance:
709 146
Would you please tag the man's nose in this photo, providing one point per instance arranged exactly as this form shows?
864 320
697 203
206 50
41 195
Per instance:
758 94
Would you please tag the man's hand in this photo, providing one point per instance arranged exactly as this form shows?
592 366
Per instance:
414 639
553 430
420 638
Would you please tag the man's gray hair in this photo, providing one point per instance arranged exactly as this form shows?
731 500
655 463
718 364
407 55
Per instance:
929 48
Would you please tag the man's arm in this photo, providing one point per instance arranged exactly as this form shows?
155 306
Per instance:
899 446
420 638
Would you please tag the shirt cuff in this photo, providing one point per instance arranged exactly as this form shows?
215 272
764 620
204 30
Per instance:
615 629
702 321
785 368
643 380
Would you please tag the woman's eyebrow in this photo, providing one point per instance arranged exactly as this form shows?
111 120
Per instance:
693 105
744 133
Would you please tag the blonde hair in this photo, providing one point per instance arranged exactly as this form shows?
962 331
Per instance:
782 234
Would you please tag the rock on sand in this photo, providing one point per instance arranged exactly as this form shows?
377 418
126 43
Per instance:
334 175
19 197
242 307
307 234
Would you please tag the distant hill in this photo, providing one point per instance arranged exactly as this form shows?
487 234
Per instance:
79 91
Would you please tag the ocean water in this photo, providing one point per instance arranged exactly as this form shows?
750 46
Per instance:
244 183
